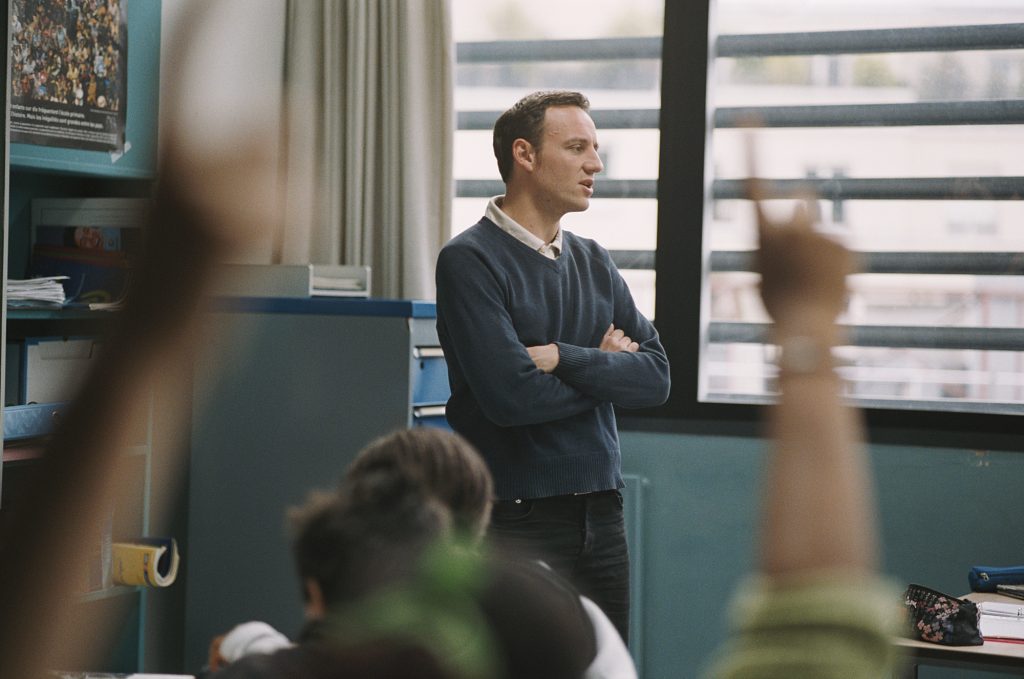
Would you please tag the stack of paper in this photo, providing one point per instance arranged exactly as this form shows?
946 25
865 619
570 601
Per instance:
36 292
1001 620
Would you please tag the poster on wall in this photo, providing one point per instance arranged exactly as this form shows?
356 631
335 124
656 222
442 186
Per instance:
69 73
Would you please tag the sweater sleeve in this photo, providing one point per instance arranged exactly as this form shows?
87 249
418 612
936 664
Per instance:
826 626
485 347
637 379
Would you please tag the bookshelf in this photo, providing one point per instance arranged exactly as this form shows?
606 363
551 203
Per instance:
33 172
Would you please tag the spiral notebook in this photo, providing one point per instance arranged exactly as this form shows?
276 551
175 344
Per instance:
1001 621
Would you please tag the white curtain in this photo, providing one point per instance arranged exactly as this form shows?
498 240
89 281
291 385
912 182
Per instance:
367 138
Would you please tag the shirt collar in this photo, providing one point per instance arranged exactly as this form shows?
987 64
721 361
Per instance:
510 226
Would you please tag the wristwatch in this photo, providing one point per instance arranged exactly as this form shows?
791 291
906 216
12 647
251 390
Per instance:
803 355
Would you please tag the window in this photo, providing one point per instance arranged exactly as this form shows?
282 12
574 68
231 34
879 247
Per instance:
610 51
907 122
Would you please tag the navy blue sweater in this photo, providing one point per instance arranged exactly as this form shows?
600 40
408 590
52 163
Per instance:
542 434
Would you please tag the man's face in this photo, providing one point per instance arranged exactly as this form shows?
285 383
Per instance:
566 161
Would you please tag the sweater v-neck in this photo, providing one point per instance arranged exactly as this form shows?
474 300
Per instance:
524 251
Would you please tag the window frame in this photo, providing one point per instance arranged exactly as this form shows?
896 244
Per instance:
680 260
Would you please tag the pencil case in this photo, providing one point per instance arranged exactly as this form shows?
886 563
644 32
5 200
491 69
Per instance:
986 578
941 618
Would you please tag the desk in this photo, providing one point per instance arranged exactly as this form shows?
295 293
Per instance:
992 656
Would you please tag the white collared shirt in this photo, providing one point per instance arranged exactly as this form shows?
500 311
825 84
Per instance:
518 231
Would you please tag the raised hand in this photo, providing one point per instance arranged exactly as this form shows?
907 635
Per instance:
803 272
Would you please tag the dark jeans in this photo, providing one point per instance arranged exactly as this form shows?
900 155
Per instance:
581 537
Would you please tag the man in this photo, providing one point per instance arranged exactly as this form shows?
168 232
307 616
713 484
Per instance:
542 338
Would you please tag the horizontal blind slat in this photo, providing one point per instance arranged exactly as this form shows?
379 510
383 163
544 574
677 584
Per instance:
929 39
881 188
603 188
591 49
907 337
955 263
989 112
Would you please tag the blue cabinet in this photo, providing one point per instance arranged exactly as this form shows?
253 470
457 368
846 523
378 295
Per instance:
286 394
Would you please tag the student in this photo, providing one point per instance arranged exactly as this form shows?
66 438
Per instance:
380 568
372 547
442 464
818 609
452 471
542 338
446 467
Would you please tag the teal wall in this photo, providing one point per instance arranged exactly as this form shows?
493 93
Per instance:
941 511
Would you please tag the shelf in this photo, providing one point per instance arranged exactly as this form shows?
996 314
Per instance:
107 593
21 453
62 314
82 163
64 322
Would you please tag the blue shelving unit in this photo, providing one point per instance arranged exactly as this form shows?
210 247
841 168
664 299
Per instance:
35 171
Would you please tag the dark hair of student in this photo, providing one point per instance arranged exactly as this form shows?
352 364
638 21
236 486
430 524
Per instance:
525 120
440 464
390 574
351 544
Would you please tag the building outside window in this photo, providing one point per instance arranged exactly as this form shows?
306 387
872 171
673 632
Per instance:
921 147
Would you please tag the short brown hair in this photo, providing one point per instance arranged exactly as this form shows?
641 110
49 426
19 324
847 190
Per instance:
351 544
525 120
441 464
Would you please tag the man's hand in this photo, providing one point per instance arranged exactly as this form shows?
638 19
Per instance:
544 357
616 340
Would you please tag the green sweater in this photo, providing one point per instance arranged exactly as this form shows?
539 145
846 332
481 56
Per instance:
824 627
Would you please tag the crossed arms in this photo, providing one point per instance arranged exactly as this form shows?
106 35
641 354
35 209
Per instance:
545 356
515 383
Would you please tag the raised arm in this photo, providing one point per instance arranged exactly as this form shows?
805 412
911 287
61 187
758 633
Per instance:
818 503
818 608
210 203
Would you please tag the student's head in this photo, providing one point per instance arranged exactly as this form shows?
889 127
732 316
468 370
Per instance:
348 544
525 120
438 463
387 575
